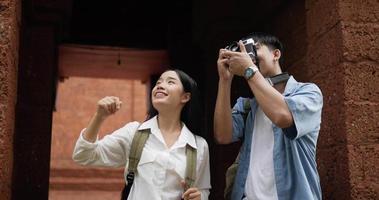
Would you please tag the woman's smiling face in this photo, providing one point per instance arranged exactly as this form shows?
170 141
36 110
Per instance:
168 91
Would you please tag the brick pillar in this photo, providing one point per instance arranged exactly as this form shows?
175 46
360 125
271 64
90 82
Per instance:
35 101
360 30
9 30
342 57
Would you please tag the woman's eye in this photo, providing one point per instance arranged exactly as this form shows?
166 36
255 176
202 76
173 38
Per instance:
171 82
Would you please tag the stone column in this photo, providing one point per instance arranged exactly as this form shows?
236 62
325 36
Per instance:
342 57
9 31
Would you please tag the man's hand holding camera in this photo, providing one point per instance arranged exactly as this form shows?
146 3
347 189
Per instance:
223 67
237 62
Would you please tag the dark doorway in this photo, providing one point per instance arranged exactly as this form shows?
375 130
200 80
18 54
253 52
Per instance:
190 31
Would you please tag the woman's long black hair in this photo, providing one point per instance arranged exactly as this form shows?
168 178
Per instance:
190 115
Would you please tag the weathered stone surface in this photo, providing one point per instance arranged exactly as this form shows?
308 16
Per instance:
342 58
361 123
8 89
361 82
325 53
331 83
291 32
365 11
363 170
322 16
361 41
334 170
299 70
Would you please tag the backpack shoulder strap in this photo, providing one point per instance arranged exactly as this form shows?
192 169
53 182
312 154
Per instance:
246 107
136 148
191 154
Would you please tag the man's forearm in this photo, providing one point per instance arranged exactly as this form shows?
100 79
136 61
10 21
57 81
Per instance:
222 124
271 101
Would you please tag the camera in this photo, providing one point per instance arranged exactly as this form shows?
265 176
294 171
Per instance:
249 44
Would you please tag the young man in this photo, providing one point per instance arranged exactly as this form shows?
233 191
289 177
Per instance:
278 154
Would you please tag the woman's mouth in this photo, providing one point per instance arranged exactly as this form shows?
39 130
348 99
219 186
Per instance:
160 94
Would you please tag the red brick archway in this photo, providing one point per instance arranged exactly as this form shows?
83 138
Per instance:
332 43
87 74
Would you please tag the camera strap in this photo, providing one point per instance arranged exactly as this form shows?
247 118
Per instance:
278 78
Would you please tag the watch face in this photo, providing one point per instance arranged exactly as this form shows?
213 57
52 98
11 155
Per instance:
248 73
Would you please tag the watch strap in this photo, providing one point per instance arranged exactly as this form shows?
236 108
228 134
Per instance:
253 69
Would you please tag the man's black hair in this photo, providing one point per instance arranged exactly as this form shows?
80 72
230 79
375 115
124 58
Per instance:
270 41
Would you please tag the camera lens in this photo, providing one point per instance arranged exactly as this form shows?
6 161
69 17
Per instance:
234 47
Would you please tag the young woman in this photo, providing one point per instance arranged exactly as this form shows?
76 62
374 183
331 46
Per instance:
172 121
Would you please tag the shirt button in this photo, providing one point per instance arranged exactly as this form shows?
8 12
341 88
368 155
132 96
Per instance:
159 177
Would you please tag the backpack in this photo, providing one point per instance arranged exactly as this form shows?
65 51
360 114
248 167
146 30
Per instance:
232 169
136 149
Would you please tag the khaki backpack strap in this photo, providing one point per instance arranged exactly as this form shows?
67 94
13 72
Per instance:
246 105
191 154
136 148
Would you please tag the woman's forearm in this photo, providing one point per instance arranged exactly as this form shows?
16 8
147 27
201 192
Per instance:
90 134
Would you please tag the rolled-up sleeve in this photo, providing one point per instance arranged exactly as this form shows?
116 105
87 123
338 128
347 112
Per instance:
111 151
203 180
238 120
305 104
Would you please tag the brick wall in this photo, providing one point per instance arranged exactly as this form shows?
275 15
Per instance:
75 105
343 59
360 64
9 31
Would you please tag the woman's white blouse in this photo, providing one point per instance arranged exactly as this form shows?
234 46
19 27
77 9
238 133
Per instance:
160 169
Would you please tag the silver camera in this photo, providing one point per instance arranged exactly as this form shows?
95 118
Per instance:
249 44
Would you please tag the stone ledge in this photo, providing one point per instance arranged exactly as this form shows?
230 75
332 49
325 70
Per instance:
86 183
87 179
90 172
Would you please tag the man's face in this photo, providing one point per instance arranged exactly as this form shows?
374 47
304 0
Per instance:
266 58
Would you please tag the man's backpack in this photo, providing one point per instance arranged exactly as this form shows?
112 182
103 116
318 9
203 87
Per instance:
136 149
231 172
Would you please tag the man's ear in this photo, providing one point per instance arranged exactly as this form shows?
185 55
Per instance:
277 54
186 97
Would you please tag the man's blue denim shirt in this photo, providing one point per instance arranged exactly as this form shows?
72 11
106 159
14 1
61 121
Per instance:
294 151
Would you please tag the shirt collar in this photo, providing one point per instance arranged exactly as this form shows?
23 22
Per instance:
290 86
151 124
185 137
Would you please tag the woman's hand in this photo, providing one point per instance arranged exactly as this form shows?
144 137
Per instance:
107 106
191 193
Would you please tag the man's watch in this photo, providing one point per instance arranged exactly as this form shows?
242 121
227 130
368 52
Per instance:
249 72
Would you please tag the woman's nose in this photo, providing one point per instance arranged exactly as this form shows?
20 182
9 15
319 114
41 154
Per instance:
160 86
